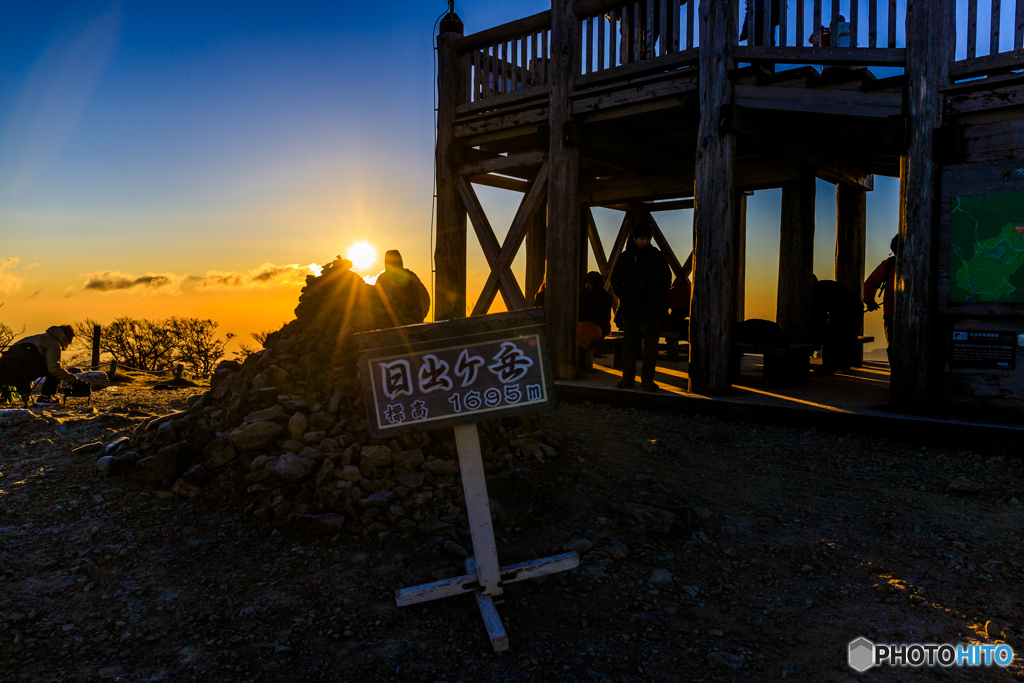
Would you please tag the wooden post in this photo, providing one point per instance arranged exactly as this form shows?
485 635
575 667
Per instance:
740 293
714 276
796 258
536 254
113 370
96 331
913 382
561 298
851 241
450 250
584 253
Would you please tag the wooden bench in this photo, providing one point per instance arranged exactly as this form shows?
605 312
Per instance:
783 366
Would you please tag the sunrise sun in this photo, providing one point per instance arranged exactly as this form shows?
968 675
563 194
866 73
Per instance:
362 255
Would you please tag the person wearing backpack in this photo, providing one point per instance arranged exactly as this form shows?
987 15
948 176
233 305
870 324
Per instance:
884 277
38 356
402 289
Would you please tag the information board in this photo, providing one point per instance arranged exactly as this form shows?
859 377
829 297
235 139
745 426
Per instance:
986 248
455 372
985 350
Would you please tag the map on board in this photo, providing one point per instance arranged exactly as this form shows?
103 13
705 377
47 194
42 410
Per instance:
986 250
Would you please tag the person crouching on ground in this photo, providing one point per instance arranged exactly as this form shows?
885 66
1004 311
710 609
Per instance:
595 311
403 289
38 356
641 280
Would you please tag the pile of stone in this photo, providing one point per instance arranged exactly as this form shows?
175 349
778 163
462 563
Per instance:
288 426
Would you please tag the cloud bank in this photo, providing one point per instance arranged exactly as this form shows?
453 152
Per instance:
264 276
9 282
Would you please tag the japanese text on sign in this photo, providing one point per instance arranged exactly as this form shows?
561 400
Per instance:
458 381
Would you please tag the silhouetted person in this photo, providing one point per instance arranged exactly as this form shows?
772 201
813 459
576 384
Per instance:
638 27
38 356
677 323
641 279
758 38
837 315
403 289
538 298
884 277
595 311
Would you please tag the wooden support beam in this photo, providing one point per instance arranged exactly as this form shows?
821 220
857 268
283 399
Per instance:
820 100
499 34
536 253
561 300
513 240
595 244
740 292
671 205
666 248
635 188
510 293
1001 62
714 207
796 259
851 242
583 265
776 140
501 164
621 153
450 248
501 182
620 242
754 174
915 361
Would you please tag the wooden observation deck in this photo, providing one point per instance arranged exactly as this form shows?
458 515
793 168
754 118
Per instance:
661 104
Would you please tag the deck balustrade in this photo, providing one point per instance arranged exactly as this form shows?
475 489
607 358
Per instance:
621 40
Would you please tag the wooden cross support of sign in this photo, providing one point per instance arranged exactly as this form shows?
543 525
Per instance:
458 373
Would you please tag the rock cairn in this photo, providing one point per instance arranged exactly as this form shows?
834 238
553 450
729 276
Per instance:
288 428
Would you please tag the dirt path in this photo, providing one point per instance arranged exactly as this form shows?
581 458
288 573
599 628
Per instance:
716 545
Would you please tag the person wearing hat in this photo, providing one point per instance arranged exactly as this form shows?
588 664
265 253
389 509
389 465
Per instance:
38 356
402 288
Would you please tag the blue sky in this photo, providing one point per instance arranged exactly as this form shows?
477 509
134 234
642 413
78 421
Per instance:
183 138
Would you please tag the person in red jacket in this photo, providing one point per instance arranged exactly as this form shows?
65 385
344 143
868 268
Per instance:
677 323
884 277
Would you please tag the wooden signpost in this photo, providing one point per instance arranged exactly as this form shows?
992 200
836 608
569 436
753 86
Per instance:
458 373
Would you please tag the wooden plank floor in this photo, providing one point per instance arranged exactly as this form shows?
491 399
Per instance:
861 390
853 401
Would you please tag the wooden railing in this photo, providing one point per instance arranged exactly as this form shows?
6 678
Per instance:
822 31
1004 43
618 36
617 39
508 62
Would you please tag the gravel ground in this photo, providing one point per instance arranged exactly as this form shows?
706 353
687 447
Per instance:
710 551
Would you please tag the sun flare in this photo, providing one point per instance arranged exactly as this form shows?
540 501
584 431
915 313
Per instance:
362 255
